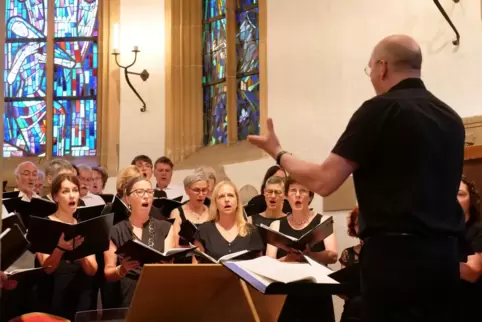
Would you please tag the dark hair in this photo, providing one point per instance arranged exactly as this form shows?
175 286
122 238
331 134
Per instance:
352 218
132 182
474 209
143 158
290 181
76 169
103 174
57 183
164 160
269 173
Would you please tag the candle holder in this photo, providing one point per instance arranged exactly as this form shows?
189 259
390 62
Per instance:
144 74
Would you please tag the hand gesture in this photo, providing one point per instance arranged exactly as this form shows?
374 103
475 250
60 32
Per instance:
127 265
268 142
6 283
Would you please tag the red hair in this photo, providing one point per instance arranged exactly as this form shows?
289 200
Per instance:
352 222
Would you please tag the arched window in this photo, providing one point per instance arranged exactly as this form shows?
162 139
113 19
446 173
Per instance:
51 78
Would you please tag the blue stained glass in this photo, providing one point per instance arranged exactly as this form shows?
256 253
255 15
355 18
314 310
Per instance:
214 47
76 18
248 106
75 128
77 74
26 19
215 114
213 8
247 41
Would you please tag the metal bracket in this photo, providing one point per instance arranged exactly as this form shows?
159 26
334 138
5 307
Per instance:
455 42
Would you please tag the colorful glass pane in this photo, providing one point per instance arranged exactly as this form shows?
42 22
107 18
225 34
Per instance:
214 48
245 3
76 73
247 41
75 128
214 8
215 114
24 78
24 128
76 18
248 106
26 19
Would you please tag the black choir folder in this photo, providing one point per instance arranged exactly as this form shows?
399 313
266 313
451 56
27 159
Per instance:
36 207
43 235
289 243
188 230
138 251
166 206
10 219
88 212
271 276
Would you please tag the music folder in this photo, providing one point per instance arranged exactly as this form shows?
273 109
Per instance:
138 251
120 209
108 198
36 207
178 198
241 255
13 245
188 230
270 276
289 243
159 193
88 212
166 206
251 210
11 194
13 218
43 235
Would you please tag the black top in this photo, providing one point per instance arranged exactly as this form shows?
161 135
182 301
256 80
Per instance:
409 148
285 228
122 233
216 246
349 256
259 204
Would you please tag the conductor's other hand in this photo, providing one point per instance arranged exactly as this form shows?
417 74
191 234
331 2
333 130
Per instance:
268 142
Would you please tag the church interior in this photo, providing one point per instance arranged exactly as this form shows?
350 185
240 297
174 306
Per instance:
99 83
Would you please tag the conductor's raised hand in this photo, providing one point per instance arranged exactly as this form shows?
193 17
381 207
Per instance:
268 142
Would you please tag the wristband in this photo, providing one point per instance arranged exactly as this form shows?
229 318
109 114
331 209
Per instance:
62 249
278 157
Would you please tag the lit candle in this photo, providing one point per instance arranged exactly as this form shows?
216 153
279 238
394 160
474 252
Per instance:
136 48
115 37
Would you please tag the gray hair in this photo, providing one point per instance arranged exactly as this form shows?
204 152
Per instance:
84 167
21 165
57 165
193 178
209 172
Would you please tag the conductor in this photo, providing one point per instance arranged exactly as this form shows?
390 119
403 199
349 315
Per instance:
405 149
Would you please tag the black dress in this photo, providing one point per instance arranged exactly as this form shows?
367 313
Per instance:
216 246
295 306
65 291
183 242
121 233
471 292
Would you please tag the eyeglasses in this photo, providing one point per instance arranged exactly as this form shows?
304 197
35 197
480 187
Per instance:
302 192
27 173
199 191
368 69
141 192
271 192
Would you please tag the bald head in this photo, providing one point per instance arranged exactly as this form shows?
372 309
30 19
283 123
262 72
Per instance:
400 51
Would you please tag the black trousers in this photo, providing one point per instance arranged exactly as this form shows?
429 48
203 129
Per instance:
408 278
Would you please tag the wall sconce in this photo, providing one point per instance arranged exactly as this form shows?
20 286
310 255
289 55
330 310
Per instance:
144 74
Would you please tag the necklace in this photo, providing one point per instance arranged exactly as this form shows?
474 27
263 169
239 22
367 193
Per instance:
303 220
150 240
195 214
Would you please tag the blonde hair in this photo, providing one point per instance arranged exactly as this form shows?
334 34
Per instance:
124 176
243 226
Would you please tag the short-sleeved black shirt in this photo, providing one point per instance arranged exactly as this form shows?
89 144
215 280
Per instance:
216 246
409 148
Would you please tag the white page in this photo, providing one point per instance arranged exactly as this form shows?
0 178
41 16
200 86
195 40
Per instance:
279 233
233 255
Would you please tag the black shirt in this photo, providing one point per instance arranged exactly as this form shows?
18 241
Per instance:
409 148
216 246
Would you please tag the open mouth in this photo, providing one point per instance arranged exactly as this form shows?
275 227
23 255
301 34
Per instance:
144 174
72 204
145 204
298 203
272 202
227 207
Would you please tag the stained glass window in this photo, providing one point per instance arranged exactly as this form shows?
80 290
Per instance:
75 77
214 69
247 48
24 77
